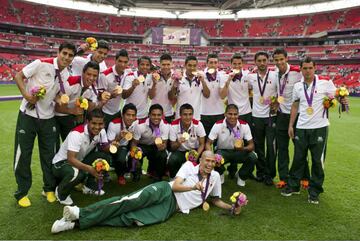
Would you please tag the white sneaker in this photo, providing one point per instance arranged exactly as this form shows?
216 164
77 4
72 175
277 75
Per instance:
127 175
67 201
62 225
222 178
240 182
90 191
71 213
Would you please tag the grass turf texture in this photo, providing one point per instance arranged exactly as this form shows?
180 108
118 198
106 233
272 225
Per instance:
267 216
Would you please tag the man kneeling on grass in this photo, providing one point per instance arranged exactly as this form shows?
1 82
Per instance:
154 203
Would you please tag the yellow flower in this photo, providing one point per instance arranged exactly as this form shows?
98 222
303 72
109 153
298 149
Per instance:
222 161
334 102
236 194
233 199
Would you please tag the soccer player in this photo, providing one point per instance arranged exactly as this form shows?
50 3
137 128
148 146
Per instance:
99 56
112 80
311 131
159 91
186 134
190 88
137 85
234 143
121 130
212 107
263 83
36 118
76 87
154 203
288 76
151 135
73 162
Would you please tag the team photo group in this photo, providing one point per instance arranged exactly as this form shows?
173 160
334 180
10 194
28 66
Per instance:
197 128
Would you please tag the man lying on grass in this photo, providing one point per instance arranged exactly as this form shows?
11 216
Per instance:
154 203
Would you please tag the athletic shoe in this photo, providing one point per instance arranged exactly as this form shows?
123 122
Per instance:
24 202
67 201
71 213
62 225
313 199
281 184
90 191
240 182
288 191
50 196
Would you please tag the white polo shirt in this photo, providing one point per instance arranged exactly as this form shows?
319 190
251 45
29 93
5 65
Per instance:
108 81
213 105
323 87
42 72
238 92
262 110
189 92
225 138
79 141
192 199
146 136
291 76
73 88
79 62
139 96
162 89
195 131
116 126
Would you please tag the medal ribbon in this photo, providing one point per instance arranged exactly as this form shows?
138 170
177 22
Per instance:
262 90
58 75
155 129
309 100
203 194
237 77
210 77
282 86
234 130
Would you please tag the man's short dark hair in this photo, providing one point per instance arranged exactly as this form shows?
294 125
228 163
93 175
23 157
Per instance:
307 59
156 107
91 64
186 106
67 45
236 56
122 53
165 57
189 58
280 51
95 113
102 44
129 106
263 53
211 56
146 58
231 106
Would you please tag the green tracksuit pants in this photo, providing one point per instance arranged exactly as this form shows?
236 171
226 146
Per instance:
314 140
152 204
27 128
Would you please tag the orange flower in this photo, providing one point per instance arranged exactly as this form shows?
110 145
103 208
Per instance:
99 166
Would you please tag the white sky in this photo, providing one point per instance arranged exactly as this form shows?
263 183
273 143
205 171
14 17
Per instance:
252 13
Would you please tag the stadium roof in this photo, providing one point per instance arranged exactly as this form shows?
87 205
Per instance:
201 9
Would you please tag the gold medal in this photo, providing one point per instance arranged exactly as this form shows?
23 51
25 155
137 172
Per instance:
156 76
186 136
206 206
236 71
194 73
238 143
158 141
118 90
128 136
105 95
280 99
64 99
211 71
261 100
309 110
113 149
141 78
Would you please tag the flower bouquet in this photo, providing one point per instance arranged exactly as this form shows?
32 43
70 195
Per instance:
92 43
83 103
219 162
341 93
192 156
328 102
238 199
101 166
272 102
37 91
136 155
